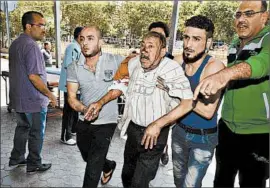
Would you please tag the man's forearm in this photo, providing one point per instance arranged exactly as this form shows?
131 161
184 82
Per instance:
111 95
239 71
40 85
183 108
77 105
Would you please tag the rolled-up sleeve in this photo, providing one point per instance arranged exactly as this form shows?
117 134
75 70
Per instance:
72 73
260 64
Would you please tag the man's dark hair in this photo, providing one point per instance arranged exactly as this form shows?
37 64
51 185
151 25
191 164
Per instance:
161 37
264 6
160 25
201 22
27 18
46 43
77 32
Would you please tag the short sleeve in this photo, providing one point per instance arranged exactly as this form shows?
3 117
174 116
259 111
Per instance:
72 73
122 70
34 61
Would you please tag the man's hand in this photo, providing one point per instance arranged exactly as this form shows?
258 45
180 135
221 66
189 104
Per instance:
150 136
92 111
211 85
53 100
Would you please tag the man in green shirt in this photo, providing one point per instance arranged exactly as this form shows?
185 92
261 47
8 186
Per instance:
244 126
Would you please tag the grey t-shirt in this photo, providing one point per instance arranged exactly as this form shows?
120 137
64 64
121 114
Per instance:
93 86
25 58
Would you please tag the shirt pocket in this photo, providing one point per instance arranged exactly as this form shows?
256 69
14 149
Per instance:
107 75
143 88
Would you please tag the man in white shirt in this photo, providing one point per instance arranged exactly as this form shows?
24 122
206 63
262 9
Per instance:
46 52
149 110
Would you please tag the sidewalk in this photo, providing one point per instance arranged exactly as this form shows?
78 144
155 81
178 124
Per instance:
67 165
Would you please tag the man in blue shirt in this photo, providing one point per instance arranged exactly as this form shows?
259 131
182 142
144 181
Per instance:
195 136
29 93
70 116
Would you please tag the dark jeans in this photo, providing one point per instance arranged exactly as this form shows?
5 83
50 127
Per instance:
31 128
140 165
247 154
69 119
93 142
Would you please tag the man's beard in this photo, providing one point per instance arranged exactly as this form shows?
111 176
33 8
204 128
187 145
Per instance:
94 53
193 59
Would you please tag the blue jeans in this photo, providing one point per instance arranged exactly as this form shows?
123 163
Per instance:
31 128
191 156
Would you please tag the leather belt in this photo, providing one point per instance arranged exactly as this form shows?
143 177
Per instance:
198 131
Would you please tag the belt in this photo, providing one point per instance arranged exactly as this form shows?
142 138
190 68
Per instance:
198 131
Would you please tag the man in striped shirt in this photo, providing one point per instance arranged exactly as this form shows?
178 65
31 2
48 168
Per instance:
148 109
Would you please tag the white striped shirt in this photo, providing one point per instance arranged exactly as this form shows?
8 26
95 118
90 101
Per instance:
145 102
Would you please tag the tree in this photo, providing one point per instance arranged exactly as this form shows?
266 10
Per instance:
221 13
186 10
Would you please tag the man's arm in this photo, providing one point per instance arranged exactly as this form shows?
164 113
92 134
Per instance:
153 130
69 57
207 107
72 89
255 67
39 84
122 71
48 55
214 83
94 108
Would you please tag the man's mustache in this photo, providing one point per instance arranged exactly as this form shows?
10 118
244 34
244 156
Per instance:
188 50
242 24
144 57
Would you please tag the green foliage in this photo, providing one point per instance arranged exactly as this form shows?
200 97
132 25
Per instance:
125 18
221 13
186 10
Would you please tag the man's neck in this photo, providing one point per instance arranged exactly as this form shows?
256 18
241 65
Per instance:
91 62
27 33
191 68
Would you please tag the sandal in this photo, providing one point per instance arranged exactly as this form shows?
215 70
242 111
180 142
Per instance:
109 175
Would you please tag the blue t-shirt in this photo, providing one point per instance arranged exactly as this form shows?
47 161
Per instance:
25 58
72 53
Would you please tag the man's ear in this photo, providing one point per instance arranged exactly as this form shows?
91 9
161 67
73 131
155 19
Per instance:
265 17
28 27
163 52
101 42
208 44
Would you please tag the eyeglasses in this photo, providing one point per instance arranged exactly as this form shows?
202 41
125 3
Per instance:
246 14
41 26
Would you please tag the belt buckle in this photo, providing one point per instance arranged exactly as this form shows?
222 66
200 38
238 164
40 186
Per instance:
202 132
